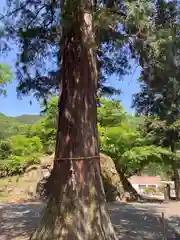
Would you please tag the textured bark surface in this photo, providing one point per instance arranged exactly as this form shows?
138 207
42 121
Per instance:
79 213
111 180
77 208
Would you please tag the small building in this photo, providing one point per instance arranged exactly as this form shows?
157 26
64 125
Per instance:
140 183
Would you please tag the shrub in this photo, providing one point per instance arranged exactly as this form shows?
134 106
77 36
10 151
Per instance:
149 190
45 129
30 160
23 146
5 149
19 152
16 165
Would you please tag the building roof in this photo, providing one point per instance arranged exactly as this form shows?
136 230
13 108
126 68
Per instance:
145 180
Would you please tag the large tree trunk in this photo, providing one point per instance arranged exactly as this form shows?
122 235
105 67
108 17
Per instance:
77 209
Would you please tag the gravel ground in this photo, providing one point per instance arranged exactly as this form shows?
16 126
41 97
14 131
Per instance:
131 221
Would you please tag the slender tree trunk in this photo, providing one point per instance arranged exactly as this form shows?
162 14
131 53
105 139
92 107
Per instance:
77 209
129 188
176 169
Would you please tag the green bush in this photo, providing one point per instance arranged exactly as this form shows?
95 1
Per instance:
30 160
5 149
45 129
149 190
17 164
24 146
14 166
18 152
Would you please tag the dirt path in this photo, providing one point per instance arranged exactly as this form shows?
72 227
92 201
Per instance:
131 221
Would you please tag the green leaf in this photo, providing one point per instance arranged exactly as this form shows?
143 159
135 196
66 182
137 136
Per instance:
6 76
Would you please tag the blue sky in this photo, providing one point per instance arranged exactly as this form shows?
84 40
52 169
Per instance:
12 106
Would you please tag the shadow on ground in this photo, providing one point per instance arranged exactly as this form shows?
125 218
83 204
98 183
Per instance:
17 221
131 222
140 222
175 221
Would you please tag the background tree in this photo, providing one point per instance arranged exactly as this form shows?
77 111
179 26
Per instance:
122 136
130 149
159 96
46 127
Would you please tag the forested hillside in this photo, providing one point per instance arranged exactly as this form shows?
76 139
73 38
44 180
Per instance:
10 126
28 118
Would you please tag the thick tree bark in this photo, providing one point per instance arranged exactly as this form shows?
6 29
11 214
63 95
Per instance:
77 209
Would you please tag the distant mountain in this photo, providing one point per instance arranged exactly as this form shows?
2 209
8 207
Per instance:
16 125
9 126
28 118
